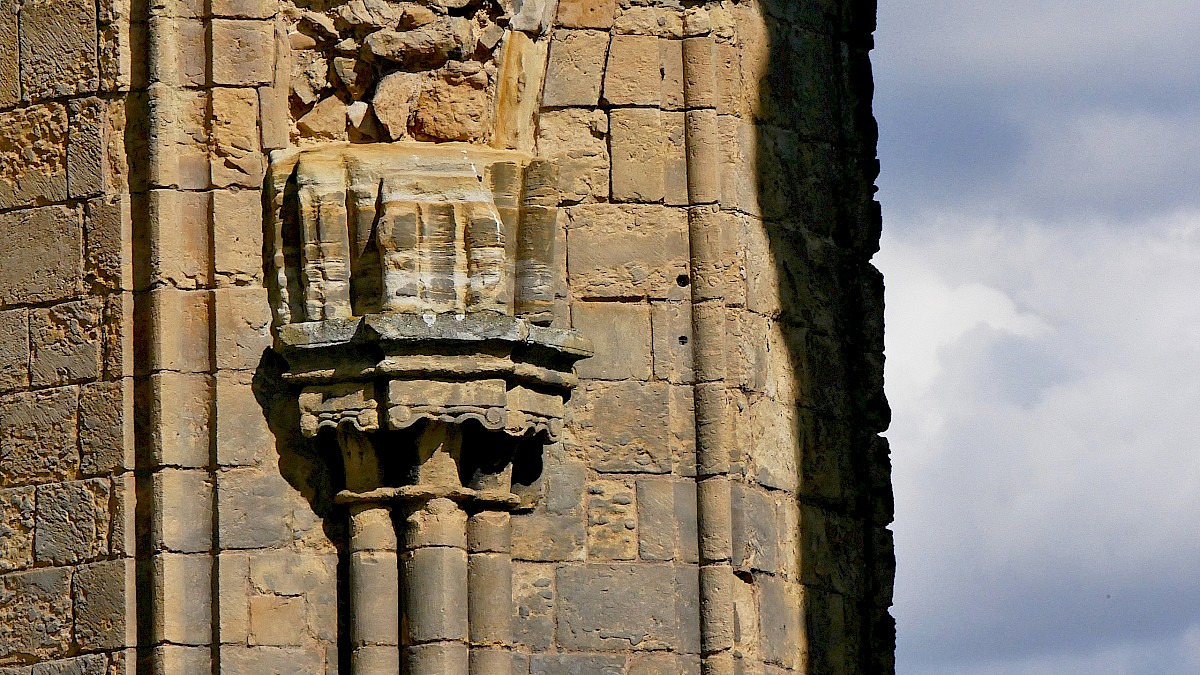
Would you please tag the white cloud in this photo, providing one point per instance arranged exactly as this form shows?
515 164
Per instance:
1045 380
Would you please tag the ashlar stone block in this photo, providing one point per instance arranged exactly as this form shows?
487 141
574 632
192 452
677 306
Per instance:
85 147
236 660
103 595
591 664
10 73
243 436
535 599
634 74
243 52
243 317
41 252
183 518
108 227
182 599
35 610
586 13
90 664
576 68
624 251
637 154
617 607
620 332
237 155
73 521
14 349
612 520
38 437
576 139
237 236
58 48
106 427
16 528
65 343
623 426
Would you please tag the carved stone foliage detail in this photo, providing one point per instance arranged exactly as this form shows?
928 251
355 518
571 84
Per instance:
411 228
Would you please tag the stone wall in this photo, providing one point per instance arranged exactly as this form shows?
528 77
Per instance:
719 496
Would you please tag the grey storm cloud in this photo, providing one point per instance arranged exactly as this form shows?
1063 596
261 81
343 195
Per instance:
1042 251
1067 108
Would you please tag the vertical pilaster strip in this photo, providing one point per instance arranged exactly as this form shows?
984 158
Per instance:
713 437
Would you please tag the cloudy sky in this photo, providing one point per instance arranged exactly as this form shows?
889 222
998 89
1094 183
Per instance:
1041 194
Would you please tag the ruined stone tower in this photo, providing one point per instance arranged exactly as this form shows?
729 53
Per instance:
440 336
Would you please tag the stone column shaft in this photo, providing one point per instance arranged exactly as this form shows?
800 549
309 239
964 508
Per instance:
489 584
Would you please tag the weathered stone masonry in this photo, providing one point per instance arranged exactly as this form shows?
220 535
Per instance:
443 336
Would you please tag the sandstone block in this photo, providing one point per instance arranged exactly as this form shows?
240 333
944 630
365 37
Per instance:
40 254
183 517
664 664
618 251
233 579
622 426
33 158
832 551
675 169
658 530
326 119
177 409
617 607
548 537
637 154
671 325
781 622
237 236
620 333
243 317
612 520
657 20
35 609
178 153
774 454
826 470
395 96
634 74
37 437
10 73
180 247
671 55
14 349
682 426
85 147
586 13
58 49
255 509
91 664
64 343
276 620
242 9
103 595
243 437
535 599
180 659
179 320
576 139
106 427
108 227
237 154
182 599
73 521
581 664
576 68
243 52
564 487
237 660
757 539
16 528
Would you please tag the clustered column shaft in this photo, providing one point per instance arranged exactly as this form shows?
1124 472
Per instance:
374 583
